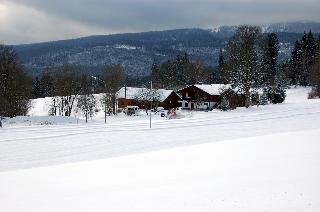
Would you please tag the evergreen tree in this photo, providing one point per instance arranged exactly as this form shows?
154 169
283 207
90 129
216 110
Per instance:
277 94
36 89
274 78
270 56
315 74
47 84
302 59
296 63
156 76
15 85
222 68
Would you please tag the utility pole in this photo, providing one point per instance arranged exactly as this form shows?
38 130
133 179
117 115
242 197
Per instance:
150 101
105 108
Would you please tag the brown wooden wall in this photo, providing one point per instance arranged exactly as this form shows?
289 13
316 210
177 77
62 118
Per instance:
237 101
172 101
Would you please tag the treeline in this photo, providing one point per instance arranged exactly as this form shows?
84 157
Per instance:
69 88
180 72
304 65
249 62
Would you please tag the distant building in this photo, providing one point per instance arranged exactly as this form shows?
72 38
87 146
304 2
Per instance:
207 97
133 96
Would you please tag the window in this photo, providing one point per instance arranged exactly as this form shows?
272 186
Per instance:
186 104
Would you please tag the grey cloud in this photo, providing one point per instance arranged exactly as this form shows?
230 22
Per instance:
144 15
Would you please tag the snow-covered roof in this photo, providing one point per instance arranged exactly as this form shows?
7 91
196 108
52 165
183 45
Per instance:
212 89
215 89
164 94
133 92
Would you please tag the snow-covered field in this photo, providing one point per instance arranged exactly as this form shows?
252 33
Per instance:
264 158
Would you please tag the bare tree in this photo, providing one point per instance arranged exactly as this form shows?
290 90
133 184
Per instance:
146 96
114 78
67 87
87 104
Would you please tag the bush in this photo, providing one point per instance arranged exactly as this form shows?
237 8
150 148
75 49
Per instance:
226 95
255 98
313 94
277 95
224 104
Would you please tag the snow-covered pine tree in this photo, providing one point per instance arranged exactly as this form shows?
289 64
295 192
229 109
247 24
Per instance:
87 103
302 59
244 61
36 89
47 84
263 97
274 78
270 51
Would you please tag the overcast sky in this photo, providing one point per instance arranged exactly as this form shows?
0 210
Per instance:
26 21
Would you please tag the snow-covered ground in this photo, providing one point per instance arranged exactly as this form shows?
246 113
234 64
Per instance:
259 159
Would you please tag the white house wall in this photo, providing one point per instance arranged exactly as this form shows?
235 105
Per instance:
202 106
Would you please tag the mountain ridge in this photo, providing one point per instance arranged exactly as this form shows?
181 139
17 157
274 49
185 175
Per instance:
137 51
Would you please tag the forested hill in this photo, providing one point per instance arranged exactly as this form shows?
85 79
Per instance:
137 51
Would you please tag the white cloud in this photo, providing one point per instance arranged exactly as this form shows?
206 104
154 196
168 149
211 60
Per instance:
21 24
